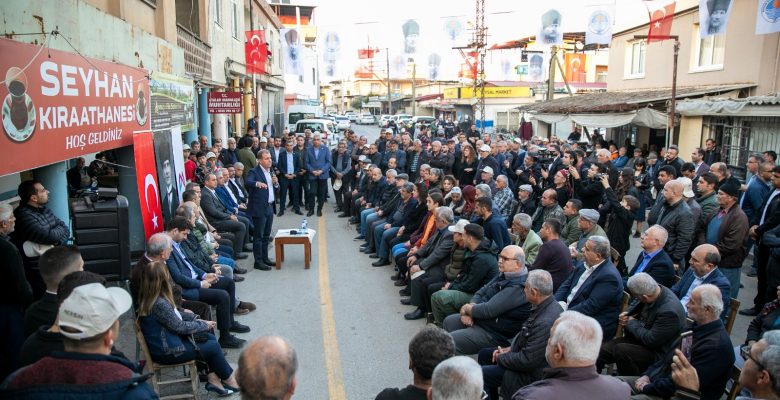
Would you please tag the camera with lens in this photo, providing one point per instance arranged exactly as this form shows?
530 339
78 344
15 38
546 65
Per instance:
599 176
544 157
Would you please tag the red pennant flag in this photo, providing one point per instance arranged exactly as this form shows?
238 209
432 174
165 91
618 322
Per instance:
661 15
255 52
146 176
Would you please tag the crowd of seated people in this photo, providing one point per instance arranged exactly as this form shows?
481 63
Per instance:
483 224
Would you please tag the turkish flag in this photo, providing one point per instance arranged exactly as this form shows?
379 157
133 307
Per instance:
146 176
661 15
255 52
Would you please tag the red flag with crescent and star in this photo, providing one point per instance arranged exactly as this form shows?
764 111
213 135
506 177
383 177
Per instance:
146 176
255 52
661 15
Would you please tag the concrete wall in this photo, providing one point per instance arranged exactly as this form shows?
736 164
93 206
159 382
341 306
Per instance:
689 136
749 58
223 44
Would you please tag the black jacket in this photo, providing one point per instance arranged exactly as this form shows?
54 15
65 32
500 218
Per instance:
678 221
619 222
38 225
589 192
525 362
41 313
479 267
14 289
658 324
500 307
436 251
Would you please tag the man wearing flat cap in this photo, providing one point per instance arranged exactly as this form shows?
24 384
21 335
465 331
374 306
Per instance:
588 222
726 228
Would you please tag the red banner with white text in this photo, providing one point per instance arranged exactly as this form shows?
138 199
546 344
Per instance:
58 105
148 191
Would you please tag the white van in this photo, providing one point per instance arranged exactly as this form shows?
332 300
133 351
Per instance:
326 127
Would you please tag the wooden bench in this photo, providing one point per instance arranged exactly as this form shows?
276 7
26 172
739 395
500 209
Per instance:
284 237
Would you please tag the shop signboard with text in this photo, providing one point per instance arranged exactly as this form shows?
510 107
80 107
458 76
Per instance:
58 105
224 103
172 102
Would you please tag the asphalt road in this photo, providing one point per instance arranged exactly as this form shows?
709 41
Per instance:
342 316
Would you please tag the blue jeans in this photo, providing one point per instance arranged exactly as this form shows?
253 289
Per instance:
209 352
383 238
733 275
364 219
399 249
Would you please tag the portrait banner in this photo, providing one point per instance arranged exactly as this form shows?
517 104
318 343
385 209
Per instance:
551 33
713 17
166 179
768 17
58 105
599 29
330 56
146 177
291 48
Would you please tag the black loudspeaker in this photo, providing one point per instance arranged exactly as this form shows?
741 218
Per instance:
102 233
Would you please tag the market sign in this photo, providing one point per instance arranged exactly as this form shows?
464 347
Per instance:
490 92
224 103
58 105
172 102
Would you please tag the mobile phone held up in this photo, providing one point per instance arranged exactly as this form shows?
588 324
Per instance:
686 344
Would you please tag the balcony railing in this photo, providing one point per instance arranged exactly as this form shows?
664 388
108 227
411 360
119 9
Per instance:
197 55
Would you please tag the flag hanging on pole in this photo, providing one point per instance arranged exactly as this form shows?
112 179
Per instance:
255 52
661 15
148 191
768 18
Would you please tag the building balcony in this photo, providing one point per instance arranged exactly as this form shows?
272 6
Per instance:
197 55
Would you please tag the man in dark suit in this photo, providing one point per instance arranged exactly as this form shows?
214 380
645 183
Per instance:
302 177
220 217
288 164
653 260
703 270
595 288
318 166
158 248
650 328
431 258
261 183
340 169
206 287
767 217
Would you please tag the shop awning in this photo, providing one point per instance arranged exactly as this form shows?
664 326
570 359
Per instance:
624 101
754 105
646 117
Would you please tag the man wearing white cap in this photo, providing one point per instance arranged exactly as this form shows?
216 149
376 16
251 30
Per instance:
486 177
89 324
690 198
486 159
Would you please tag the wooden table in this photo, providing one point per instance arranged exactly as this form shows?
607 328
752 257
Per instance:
283 237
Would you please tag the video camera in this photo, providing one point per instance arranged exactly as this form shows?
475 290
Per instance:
544 158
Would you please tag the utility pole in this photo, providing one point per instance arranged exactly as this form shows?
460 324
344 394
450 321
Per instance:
414 88
670 118
389 96
551 75
480 38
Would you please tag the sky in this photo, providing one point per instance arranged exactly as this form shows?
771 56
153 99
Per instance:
364 23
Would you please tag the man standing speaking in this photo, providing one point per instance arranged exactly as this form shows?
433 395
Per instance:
260 183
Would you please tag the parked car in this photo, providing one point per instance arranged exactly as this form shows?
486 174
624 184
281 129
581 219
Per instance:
402 121
353 116
367 118
342 122
325 126
382 122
